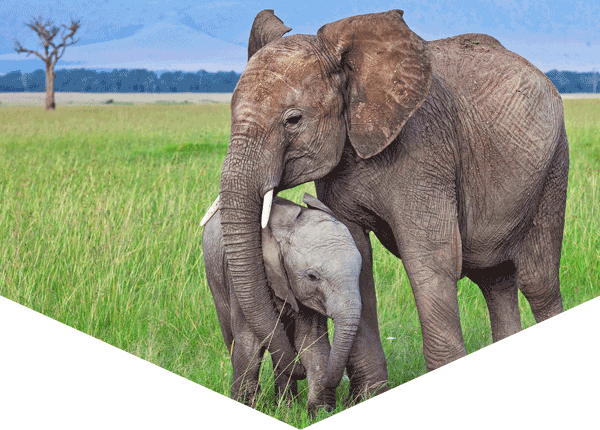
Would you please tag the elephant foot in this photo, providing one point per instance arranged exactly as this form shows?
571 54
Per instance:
363 392
247 393
323 400
285 392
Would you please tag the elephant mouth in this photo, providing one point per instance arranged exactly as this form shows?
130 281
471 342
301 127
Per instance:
314 303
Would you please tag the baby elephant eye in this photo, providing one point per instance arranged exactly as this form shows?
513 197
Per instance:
313 276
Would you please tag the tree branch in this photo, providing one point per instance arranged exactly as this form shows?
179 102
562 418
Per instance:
74 27
19 48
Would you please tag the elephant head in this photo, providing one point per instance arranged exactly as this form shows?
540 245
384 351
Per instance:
311 257
299 102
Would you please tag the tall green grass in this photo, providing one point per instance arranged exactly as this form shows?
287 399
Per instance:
99 226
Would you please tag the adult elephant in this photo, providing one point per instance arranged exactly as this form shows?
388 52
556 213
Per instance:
453 152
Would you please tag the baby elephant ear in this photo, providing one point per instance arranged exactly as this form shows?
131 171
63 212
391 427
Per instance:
266 28
283 214
314 203
276 274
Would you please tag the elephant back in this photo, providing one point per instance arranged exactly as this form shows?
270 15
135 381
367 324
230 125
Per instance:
483 72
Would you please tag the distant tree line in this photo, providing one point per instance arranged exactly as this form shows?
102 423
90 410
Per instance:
144 81
574 82
121 81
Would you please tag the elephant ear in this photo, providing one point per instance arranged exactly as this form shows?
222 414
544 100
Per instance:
389 75
265 29
314 203
282 215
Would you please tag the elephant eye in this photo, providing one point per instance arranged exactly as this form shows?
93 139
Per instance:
313 276
293 120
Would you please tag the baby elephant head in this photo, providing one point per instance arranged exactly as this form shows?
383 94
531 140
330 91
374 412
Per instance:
311 257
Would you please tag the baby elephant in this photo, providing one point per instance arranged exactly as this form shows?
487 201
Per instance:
313 269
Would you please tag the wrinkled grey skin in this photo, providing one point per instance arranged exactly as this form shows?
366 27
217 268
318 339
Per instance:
313 266
452 152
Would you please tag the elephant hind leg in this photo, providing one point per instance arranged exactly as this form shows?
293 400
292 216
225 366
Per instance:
539 260
499 287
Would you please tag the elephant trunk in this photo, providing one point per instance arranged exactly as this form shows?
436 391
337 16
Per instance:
241 194
345 312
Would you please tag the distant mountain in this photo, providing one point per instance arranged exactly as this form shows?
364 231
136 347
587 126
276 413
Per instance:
161 46
166 46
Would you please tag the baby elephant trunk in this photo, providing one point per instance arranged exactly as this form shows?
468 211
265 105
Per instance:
345 311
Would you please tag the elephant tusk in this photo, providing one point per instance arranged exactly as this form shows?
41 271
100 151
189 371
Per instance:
266 212
211 211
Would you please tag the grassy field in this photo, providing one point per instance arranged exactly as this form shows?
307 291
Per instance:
99 226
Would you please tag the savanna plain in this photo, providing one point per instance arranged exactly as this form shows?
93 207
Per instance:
100 229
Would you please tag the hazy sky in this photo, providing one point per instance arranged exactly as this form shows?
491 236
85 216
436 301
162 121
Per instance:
195 34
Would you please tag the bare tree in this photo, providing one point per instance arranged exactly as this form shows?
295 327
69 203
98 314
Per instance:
47 31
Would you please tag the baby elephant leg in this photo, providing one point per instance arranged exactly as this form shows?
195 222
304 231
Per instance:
286 388
312 343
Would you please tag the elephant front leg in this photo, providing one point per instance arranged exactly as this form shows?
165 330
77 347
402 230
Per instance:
432 257
246 358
